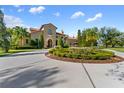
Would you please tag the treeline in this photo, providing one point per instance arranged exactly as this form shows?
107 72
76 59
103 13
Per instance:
17 34
100 37
13 37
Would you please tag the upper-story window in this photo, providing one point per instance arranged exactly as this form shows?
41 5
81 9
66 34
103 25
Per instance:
49 32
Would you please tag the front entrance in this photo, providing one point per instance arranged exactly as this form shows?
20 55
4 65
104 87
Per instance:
49 43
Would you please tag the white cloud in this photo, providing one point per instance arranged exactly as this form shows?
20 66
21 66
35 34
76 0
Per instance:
77 15
20 10
56 14
12 21
96 17
35 10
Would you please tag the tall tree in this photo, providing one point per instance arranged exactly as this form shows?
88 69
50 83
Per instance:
104 36
13 37
79 38
90 36
109 36
42 40
60 42
114 33
120 40
84 43
20 34
4 35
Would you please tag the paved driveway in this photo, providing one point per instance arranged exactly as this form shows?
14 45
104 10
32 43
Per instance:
34 69
107 75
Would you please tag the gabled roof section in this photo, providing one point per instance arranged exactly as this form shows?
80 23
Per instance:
34 30
47 24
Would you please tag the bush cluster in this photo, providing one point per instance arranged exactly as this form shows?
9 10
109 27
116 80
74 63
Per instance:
82 53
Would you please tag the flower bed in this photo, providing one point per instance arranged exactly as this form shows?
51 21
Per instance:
85 55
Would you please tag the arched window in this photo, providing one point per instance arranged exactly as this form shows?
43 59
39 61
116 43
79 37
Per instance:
49 32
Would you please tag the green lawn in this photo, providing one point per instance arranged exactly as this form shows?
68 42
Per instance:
11 51
117 49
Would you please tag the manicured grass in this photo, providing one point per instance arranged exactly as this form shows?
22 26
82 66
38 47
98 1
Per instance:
117 49
11 51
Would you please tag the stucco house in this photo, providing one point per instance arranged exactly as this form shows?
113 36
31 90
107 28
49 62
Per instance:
50 36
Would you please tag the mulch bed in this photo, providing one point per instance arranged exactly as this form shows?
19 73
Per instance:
115 59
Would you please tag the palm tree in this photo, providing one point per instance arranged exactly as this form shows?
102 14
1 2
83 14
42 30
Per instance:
21 33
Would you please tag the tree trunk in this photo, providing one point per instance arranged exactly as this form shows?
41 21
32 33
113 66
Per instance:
113 46
6 50
106 45
21 41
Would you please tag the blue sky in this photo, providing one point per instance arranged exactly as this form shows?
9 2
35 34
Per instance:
69 18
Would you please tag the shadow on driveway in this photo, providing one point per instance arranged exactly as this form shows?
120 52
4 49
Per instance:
26 76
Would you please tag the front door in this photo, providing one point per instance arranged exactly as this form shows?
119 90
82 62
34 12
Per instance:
49 43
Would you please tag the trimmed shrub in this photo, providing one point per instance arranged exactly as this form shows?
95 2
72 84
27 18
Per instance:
62 54
54 53
82 53
58 47
66 45
77 56
51 51
69 55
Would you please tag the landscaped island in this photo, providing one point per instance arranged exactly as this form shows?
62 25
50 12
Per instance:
84 55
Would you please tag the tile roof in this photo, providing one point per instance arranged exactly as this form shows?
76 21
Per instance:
34 30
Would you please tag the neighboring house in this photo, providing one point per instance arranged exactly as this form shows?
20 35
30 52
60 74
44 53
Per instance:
50 35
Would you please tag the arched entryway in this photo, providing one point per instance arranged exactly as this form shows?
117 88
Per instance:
49 43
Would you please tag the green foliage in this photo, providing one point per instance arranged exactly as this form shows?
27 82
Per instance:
110 37
41 41
38 43
79 38
35 43
103 37
17 35
65 45
90 36
20 33
51 51
82 53
119 40
60 42
4 35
